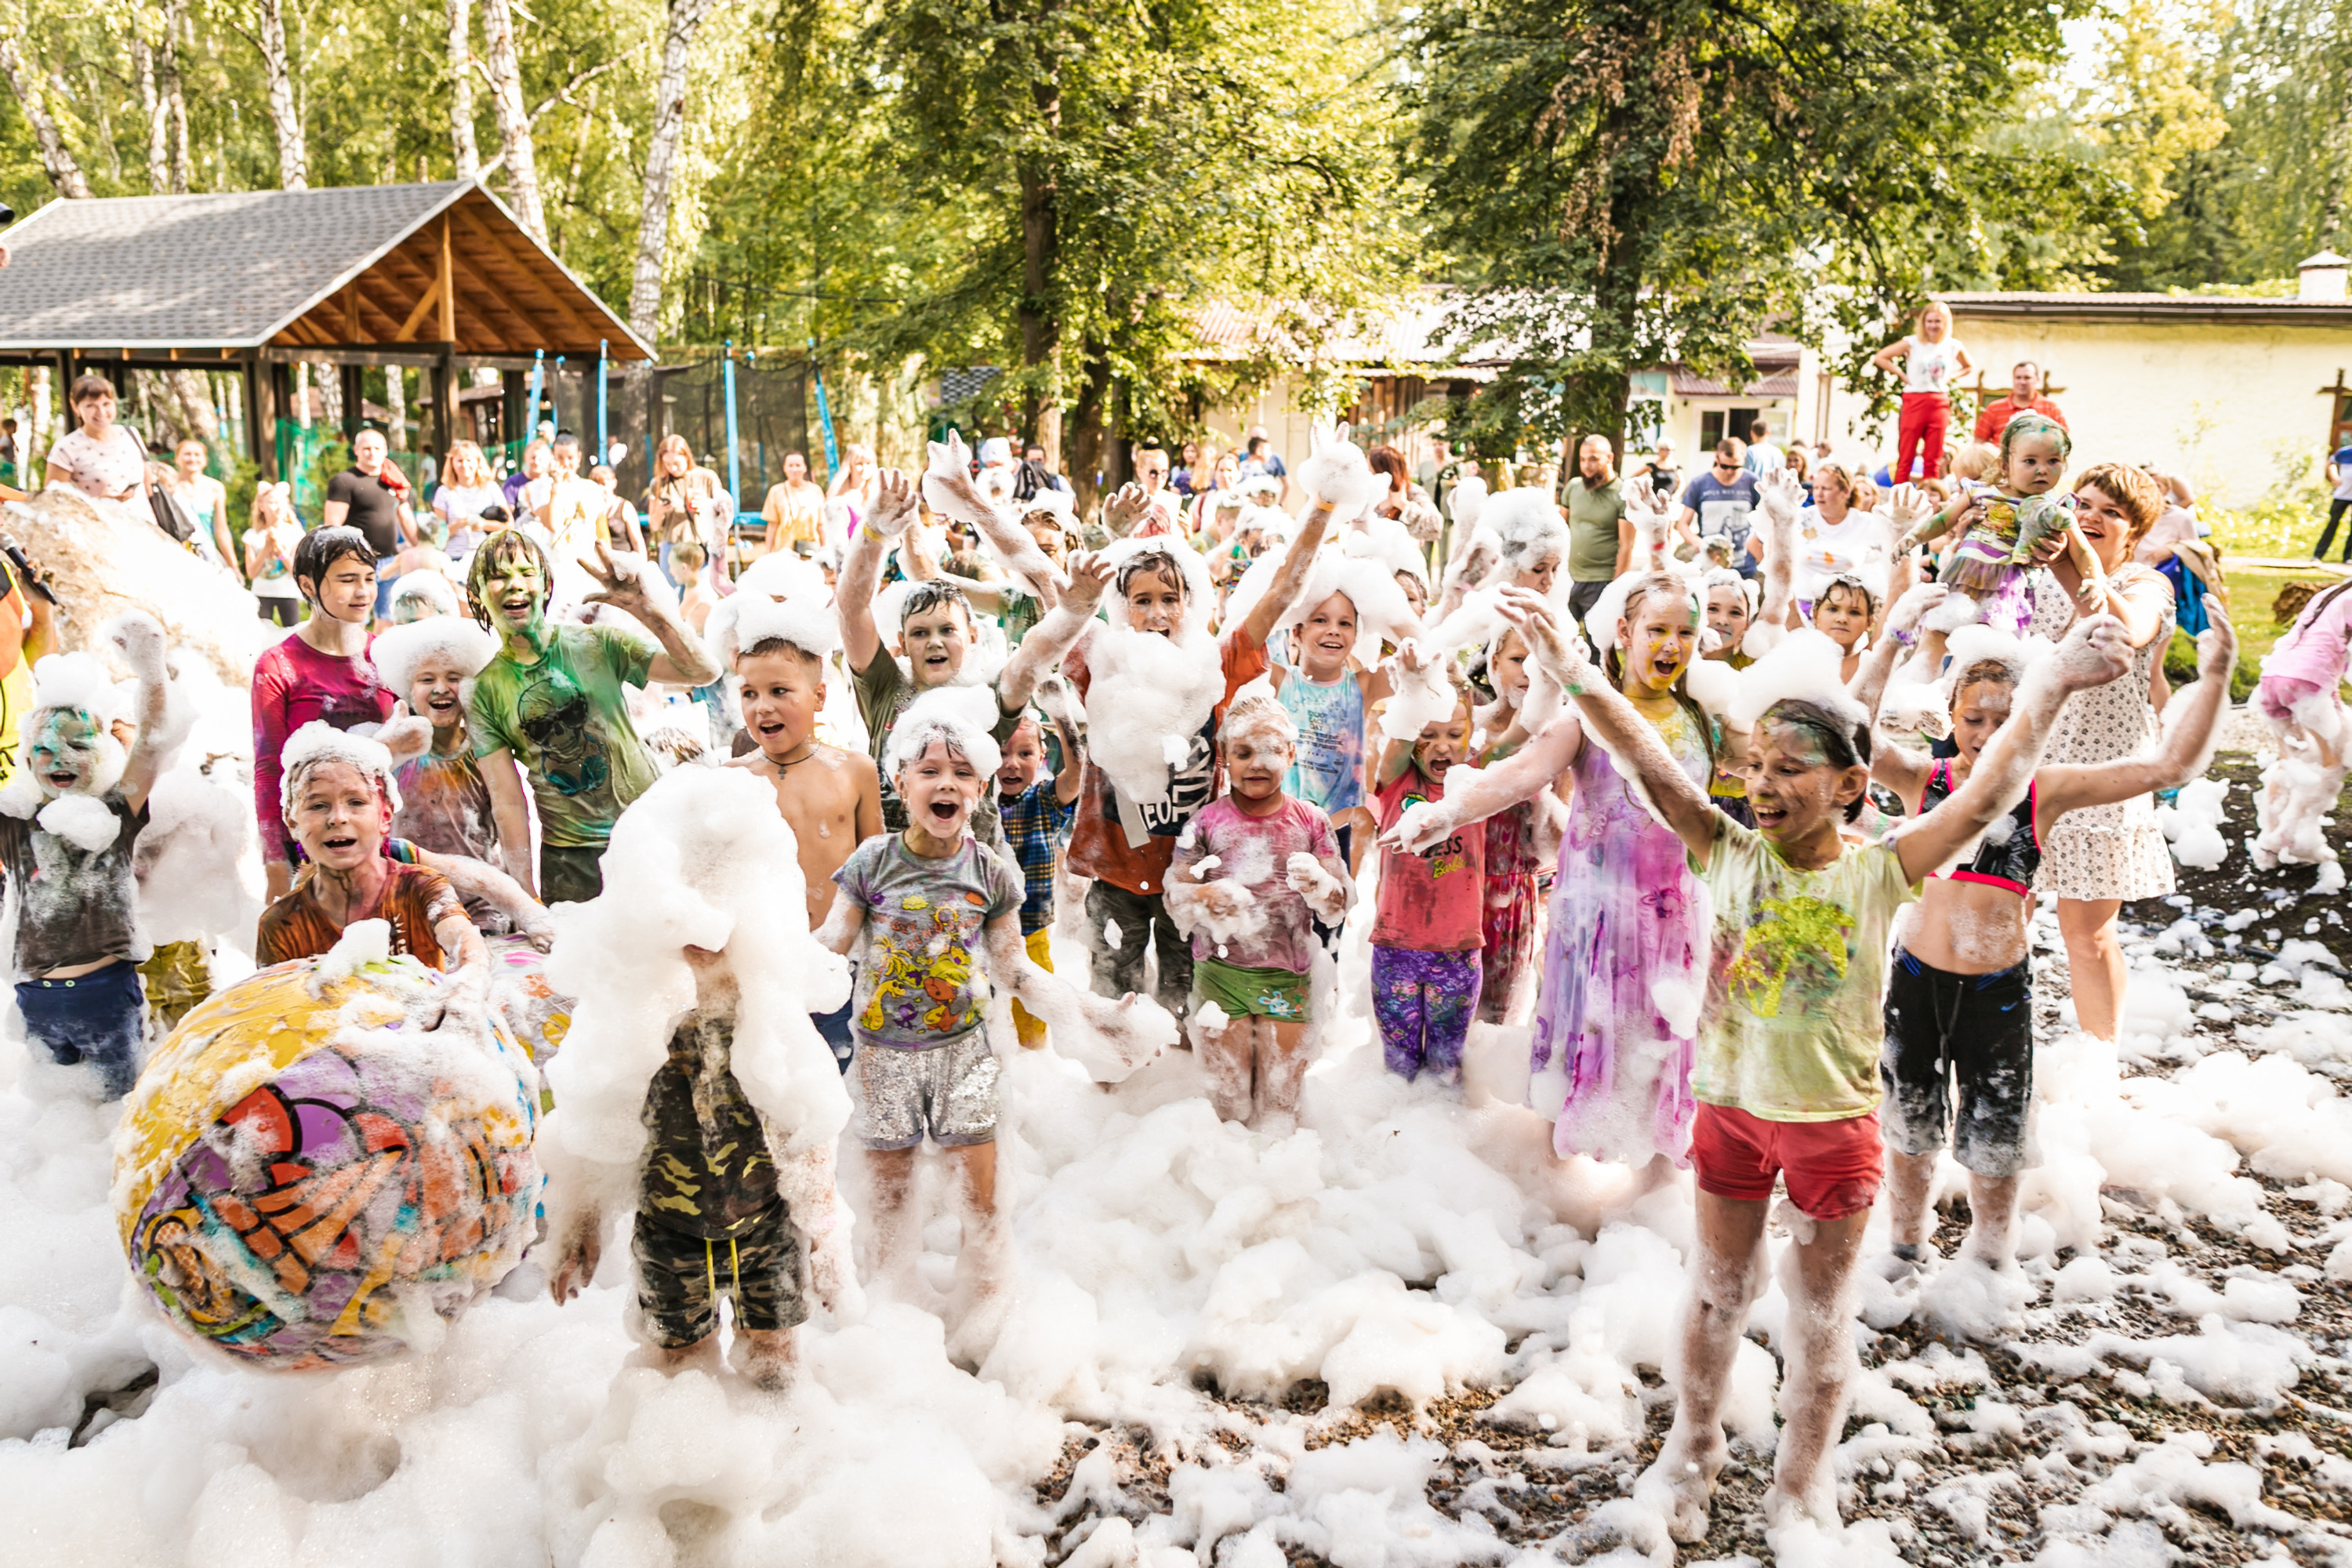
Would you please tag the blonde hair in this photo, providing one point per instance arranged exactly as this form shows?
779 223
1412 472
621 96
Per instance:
1952 323
1845 481
1979 460
466 468
265 493
672 442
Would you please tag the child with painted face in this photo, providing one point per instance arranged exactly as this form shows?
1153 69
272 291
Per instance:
831 798
445 805
339 806
1508 921
1791 1028
1253 872
1959 997
2004 528
1429 930
939 918
70 826
1330 705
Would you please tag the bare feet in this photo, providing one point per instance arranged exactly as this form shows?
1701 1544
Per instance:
1680 1482
770 1358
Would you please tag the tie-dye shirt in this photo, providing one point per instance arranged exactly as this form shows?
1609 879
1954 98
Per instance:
1329 771
1796 987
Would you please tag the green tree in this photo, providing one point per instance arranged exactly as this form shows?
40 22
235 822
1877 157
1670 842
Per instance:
1635 182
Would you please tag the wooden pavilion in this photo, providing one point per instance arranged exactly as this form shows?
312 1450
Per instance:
436 277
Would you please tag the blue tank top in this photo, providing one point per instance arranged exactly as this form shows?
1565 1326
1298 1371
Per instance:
2010 863
1330 772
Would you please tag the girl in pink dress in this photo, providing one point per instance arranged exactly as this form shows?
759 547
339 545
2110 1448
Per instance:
2299 698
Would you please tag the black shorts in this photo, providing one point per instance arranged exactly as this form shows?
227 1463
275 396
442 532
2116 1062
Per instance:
1972 1030
681 1277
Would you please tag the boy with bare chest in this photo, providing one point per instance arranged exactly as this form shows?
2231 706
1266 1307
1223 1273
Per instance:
831 798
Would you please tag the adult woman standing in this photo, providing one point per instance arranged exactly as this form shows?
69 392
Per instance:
272 537
1933 361
468 487
1225 479
205 498
1834 535
2100 855
321 671
684 497
101 459
853 487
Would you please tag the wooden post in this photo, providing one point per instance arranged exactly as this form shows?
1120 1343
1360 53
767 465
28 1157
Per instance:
448 288
260 413
352 377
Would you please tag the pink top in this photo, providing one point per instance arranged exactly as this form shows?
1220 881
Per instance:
294 683
108 467
1430 901
2312 650
1256 851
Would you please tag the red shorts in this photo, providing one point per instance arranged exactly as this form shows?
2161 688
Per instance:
1832 1167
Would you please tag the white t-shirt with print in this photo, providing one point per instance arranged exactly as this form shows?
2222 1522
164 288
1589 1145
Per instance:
1929 367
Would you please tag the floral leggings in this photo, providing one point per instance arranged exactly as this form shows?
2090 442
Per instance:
1424 1002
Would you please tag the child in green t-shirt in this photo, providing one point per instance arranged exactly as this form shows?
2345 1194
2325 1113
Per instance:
1789 1031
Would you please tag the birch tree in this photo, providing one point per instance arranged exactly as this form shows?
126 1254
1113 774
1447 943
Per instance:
503 69
683 18
57 159
467 156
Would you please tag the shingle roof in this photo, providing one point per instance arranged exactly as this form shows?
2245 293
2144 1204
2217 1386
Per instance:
233 269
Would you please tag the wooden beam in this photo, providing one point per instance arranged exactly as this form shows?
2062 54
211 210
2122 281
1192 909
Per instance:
447 285
352 332
408 328
522 314
562 306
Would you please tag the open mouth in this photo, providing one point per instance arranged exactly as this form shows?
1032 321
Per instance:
768 729
441 702
944 812
63 780
340 842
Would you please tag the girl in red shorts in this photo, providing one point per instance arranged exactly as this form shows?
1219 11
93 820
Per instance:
1789 1035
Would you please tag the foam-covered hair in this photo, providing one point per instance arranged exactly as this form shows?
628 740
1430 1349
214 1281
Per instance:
801 624
1526 528
1803 668
320 742
429 586
1256 709
401 652
783 575
962 716
1383 612
1389 541
1200 594
75 682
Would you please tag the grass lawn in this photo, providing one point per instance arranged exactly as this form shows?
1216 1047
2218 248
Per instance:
2251 591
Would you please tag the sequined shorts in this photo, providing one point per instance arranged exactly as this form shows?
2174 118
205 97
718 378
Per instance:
947 1091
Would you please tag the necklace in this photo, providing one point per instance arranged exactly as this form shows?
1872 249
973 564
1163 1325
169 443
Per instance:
780 765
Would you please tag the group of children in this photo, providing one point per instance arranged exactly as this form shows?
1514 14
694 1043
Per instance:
1225 790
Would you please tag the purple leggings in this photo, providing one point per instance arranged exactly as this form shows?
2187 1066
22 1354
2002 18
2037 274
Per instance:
1424 1002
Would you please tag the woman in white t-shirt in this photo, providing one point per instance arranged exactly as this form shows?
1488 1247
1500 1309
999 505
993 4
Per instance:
467 486
271 534
1932 363
1834 537
100 459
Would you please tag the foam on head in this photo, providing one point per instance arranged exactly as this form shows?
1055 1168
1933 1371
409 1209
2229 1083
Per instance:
1804 667
77 681
1257 712
964 717
783 575
401 652
1525 527
1200 594
320 742
804 624
427 587
1389 541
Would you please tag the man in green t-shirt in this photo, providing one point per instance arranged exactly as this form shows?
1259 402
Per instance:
937 636
555 702
1600 539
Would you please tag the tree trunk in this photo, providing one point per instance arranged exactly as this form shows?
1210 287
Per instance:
174 101
158 113
57 159
37 440
684 18
1091 465
514 117
1041 325
461 90
285 115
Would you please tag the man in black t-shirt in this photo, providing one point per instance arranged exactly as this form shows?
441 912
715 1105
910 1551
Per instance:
360 497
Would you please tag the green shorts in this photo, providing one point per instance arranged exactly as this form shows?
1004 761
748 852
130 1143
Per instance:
1239 991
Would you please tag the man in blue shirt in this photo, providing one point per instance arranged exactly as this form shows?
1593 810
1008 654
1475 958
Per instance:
1260 457
1763 456
1720 501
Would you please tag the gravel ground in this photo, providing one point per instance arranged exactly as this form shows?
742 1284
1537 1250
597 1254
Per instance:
1977 1497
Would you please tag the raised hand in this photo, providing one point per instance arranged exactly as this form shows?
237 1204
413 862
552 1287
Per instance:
2217 644
1913 606
1090 574
620 583
1124 511
894 506
139 640
2094 653
1781 496
1562 658
1337 474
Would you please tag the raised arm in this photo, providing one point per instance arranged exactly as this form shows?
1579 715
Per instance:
1523 775
141 642
1040 653
1781 502
2192 719
1896 636
1631 740
479 880
2093 654
622 584
861 568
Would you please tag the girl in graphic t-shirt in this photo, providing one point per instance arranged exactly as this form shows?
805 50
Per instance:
1426 940
1933 361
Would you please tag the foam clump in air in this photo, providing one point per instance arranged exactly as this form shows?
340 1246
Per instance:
1150 694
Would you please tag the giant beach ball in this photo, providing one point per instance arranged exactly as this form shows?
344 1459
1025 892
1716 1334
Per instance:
328 1160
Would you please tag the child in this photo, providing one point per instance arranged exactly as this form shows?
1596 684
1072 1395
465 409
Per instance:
1843 613
1327 701
1036 815
1960 999
1426 940
339 808
832 798
1789 1032
2001 527
1507 923
729 1175
1253 927
2298 697
939 918
445 805
695 601
70 826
